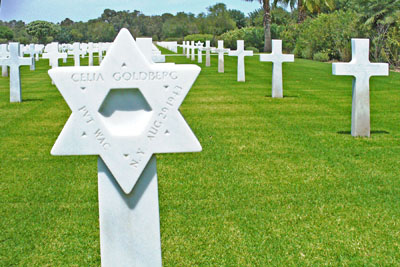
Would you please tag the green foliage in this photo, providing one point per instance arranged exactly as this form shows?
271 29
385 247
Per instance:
199 37
255 50
42 30
328 33
321 56
6 33
252 36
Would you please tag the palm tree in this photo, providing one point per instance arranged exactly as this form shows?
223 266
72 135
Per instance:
267 24
306 5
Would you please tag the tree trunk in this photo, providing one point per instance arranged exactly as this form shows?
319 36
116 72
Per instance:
267 26
302 11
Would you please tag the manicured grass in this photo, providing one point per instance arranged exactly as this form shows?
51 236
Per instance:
279 182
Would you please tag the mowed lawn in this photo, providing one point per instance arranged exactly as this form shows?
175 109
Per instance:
280 182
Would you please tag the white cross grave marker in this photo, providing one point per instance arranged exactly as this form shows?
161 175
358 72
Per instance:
31 51
199 52
84 48
193 47
14 61
188 49
91 49
362 69
125 111
53 54
101 51
76 52
4 54
208 49
221 52
64 49
277 58
38 50
241 53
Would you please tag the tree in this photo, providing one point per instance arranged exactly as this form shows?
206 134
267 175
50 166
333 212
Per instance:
219 19
42 30
306 5
239 17
267 24
6 33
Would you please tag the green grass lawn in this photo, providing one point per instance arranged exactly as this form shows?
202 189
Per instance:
279 182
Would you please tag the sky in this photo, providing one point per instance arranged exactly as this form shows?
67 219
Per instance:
83 10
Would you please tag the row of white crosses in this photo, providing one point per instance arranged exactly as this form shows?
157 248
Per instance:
125 111
360 67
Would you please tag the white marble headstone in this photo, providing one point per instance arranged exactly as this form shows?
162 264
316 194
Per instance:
3 55
362 69
241 53
125 111
14 61
221 53
277 58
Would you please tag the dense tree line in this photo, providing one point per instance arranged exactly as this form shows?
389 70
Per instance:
316 29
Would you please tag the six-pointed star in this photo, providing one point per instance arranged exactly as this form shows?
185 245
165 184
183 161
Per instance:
164 130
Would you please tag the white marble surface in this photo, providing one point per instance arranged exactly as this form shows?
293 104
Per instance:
162 87
241 54
31 52
208 48
76 52
199 52
277 58
193 51
14 61
125 111
129 223
362 70
221 51
3 55
53 54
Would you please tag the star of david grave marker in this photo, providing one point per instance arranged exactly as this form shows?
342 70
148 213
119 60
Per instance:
125 111
362 69
199 52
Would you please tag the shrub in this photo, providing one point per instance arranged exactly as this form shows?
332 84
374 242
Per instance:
321 56
328 33
255 50
252 36
199 37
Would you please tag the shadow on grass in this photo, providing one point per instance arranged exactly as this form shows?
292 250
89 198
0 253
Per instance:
372 132
32 100
286 96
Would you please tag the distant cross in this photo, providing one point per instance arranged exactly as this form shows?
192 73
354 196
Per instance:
38 51
91 49
54 55
84 48
193 47
4 54
362 69
101 50
277 58
31 51
199 52
183 47
241 53
76 52
208 49
14 61
188 49
221 52
64 49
